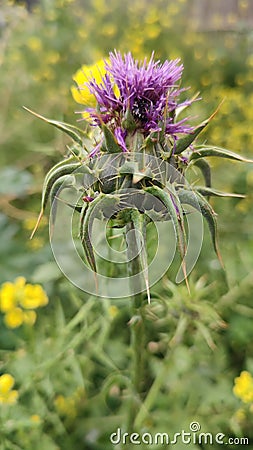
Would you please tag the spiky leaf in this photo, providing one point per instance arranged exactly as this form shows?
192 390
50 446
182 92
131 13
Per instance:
57 172
203 165
110 141
66 169
101 207
206 192
61 183
70 160
139 223
197 201
206 151
74 132
128 122
183 143
169 199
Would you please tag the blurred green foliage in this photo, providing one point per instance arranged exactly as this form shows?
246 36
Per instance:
72 367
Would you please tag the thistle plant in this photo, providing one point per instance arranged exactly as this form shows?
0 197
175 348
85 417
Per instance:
133 158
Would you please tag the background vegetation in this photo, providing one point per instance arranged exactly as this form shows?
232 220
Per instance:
70 362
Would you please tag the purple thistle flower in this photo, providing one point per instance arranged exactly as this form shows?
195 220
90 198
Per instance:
95 150
120 137
88 199
147 92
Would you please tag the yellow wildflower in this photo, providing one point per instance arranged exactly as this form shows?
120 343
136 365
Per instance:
113 311
14 318
52 57
34 43
19 282
61 404
109 29
36 243
10 294
7 395
35 418
30 223
153 31
240 415
7 298
34 296
81 93
66 406
243 4
243 387
29 317
18 297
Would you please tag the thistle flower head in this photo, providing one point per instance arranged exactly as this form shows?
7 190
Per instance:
133 95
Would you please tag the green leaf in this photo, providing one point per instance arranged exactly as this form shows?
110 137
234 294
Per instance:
110 141
205 333
86 223
183 143
206 191
170 200
197 201
57 172
102 204
61 183
205 151
203 165
128 122
71 159
139 223
74 132
82 217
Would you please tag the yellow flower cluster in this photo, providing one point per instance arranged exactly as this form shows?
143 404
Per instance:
65 406
68 406
18 301
243 387
7 394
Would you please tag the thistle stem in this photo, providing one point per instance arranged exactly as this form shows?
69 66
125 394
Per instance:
137 330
